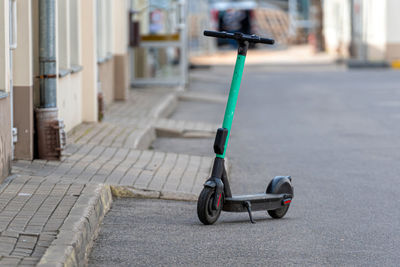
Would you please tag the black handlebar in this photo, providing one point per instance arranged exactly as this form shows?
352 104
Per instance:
238 36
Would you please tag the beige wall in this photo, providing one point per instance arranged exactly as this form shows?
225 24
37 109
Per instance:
380 24
5 138
121 76
23 83
375 28
337 28
393 21
5 116
22 75
106 77
120 49
120 27
69 88
69 99
4 47
393 32
89 61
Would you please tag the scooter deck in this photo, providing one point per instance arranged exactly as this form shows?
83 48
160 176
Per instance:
258 202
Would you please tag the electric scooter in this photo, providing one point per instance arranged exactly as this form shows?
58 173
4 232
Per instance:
216 194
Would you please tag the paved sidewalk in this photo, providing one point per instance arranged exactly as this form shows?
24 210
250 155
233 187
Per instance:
157 174
295 55
50 211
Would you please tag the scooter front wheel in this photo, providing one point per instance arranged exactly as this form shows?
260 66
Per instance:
205 212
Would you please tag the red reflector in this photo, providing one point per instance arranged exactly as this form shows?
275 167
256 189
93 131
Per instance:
287 201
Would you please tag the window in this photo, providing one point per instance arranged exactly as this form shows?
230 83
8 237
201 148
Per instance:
104 29
68 36
63 35
5 19
75 52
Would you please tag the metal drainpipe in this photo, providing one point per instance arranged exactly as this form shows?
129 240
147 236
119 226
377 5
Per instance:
49 129
47 54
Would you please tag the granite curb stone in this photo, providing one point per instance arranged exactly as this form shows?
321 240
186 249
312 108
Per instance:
76 235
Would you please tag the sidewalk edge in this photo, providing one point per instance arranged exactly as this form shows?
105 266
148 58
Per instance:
166 107
75 238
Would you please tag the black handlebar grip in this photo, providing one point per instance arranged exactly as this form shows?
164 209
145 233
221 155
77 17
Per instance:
267 41
239 37
215 34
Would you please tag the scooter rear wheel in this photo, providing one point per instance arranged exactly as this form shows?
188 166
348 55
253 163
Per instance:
206 214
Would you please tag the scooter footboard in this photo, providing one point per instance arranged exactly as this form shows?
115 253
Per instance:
258 202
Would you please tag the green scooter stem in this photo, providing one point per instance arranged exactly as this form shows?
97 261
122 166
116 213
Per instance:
232 99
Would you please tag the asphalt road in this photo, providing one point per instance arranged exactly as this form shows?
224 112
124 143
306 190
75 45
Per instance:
336 132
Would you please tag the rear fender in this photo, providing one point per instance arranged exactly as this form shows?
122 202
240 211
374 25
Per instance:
280 185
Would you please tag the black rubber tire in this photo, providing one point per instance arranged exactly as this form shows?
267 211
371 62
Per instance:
281 188
204 211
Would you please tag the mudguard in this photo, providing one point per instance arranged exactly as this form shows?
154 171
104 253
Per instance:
280 185
210 184
218 185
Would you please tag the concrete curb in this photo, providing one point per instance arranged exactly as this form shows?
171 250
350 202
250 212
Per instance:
131 192
211 98
162 110
76 235
6 182
180 133
146 138
166 107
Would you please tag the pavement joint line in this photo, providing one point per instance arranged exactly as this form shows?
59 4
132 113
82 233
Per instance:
111 130
84 168
103 127
147 162
169 172
16 195
6 182
131 129
121 163
183 172
155 171
131 165
197 174
98 169
86 132
76 162
44 199
117 136
72 249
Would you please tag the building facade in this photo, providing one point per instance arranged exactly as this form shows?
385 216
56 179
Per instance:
366 30
91 59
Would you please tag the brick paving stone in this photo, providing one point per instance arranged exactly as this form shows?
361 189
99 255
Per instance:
133 173
147 174
121 170
9 261
37 206
162 173
202 175
91 132
189 176
175 175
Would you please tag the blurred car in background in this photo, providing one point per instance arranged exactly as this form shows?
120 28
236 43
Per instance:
233 17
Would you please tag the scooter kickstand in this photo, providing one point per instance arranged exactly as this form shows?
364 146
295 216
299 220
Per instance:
247 204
